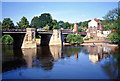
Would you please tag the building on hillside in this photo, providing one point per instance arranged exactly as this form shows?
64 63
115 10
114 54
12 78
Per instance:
96 30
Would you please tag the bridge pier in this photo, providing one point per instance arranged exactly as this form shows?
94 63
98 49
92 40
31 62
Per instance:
56 38
29 39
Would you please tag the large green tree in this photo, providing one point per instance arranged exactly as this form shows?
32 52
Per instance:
111 22
7 24
24 23
111 19
45 19
35 22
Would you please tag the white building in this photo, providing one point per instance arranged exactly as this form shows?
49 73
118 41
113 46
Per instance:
96 30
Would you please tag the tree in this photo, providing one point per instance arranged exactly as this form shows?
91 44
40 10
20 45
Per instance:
66 25
53 25
24 23
111 21
80 30
45 18
85 24
79 24
60 23
35 22
7 24
56 27
46 27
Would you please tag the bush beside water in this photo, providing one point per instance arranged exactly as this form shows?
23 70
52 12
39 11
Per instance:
6 39
74 38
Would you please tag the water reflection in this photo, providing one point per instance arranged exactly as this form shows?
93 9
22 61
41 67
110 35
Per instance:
56 51
76 55
29 55
11 59
55 60
97 53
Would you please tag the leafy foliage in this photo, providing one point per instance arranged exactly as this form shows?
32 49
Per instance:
66 25
23 23
46 27
56 27
85 24
35 22
80 30
112 22
6 39
114 37
73 38
45 19
7 23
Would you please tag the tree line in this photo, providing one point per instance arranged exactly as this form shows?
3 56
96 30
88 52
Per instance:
43 21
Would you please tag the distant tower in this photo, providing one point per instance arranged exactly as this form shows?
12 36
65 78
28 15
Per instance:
71 27
75 28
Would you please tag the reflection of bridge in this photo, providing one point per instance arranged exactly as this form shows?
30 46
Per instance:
45 56
27 39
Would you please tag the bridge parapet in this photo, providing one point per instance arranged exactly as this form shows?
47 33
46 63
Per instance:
13 30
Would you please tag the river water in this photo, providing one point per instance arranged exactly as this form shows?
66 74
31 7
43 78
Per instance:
61 62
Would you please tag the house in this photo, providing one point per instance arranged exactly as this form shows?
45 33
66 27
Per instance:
96 30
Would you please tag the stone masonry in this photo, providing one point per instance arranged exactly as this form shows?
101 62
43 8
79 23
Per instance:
56 38
29 39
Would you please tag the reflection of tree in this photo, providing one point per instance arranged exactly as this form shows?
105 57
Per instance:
70 50
117 56
112 67
12 58
44 58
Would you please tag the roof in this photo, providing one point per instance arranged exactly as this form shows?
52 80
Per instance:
97 20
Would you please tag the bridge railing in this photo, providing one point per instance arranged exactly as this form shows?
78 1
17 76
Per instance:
13 30
45 31
67 31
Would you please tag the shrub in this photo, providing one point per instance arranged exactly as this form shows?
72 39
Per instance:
73 38
91 37
6 39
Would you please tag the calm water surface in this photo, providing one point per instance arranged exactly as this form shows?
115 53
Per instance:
56 62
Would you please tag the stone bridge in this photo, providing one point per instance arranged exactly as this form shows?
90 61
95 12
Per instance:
27 39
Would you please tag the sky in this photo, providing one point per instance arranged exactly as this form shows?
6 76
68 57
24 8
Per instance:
72 12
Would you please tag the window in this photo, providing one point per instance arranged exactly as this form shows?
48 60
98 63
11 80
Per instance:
94 27
91 27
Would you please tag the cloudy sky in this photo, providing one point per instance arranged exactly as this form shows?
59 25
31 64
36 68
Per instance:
66 11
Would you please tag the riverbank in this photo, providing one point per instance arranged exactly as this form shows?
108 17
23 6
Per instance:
100 44
91 44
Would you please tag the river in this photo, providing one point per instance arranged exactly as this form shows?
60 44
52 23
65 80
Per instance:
61 62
